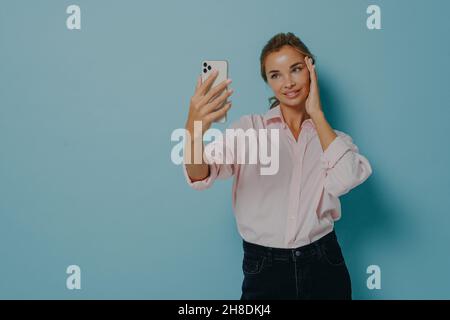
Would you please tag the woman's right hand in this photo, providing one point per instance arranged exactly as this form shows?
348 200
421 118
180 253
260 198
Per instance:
205 101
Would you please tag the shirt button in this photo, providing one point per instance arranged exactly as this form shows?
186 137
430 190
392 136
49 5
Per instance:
298 253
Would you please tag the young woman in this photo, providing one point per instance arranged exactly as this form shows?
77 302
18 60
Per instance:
287 219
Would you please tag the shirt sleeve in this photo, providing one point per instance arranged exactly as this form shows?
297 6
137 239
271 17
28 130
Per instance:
221 161
216 171
344 167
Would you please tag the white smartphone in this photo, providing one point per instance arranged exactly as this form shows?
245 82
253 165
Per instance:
208 66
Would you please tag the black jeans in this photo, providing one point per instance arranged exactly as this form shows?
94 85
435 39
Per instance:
315 271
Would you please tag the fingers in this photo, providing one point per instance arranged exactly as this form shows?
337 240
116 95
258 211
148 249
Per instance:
217 90
199 83
205 86
216 115
312 69
211 106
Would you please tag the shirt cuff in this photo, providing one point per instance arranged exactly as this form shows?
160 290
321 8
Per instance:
201 184
334 152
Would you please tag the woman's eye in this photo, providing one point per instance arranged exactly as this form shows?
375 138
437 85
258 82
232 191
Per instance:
298 68
273 76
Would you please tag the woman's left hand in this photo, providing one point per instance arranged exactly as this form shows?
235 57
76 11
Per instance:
312 104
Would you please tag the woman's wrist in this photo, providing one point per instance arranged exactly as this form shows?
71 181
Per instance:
195 135
316 116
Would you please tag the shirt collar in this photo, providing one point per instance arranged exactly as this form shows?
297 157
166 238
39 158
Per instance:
275 114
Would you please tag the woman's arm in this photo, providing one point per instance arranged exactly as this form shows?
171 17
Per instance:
324 131
203 110
344 167
219 158
313 107
215 167
199 171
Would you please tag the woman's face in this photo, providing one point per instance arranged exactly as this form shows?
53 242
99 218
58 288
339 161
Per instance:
288 76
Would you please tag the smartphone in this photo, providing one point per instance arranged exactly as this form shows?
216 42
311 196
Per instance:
208 66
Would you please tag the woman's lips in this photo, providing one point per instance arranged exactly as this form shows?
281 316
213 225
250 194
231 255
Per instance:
292 94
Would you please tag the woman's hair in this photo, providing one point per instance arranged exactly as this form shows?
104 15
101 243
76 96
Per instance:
275 44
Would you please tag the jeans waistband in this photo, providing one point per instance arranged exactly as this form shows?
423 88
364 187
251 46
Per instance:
314 248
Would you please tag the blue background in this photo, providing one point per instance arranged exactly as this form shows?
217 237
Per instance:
86 118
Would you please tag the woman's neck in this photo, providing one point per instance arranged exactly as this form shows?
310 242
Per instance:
294 116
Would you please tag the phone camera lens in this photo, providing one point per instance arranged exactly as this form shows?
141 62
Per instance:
205 71
209 67
205 64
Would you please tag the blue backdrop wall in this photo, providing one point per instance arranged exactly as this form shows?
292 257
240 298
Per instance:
86 118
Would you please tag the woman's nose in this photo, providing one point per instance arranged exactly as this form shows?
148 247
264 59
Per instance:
289 83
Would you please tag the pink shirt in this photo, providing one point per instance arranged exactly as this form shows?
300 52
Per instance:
300 203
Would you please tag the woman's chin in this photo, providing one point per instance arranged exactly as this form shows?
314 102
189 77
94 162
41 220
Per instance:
298 102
